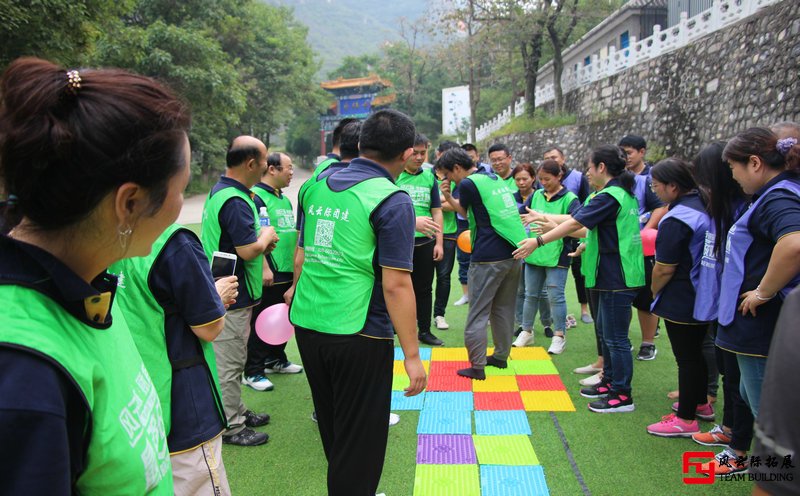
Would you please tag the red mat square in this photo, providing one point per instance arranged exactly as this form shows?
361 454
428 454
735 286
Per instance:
447 368
498 401
540 383
449 382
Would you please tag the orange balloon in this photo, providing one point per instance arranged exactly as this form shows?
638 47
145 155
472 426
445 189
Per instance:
464 242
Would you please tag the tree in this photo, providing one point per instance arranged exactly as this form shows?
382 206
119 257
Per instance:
357 66
558 40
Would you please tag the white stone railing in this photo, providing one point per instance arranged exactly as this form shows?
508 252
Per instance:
688 30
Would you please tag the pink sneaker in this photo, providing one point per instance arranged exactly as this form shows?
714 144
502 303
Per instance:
703 412
672 426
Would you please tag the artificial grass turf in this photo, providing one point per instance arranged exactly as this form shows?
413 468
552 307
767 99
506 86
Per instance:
613 452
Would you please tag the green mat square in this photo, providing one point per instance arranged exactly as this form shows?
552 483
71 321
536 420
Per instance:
400 382
533 367
492 371
505 450
447 480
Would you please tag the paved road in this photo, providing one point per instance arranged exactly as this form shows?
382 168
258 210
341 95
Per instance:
192 211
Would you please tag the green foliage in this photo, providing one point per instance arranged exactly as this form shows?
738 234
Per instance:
302 139
525 124
655 152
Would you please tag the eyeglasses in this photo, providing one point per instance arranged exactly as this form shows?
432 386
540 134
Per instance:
498 159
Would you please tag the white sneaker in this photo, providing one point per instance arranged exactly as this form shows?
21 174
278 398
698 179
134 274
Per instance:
587 370
441 323
524 339
462 301
593 380
283 368
557 345
258 382
394 419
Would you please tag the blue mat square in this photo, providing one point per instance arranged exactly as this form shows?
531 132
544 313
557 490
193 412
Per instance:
424 353
402 402
505 480
448 401
445 422
501 422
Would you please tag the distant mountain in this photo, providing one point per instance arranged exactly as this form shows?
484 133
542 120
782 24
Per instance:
338 28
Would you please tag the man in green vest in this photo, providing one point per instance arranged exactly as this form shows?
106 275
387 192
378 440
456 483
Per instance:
279 267
501 160
496 229
356 242
421 185
231 225
335 155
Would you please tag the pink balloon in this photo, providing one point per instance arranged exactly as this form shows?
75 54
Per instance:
649 241
273 326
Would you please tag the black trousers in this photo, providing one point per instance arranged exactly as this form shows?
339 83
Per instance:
351 381
444 271
594 303
736 412
422 280
259 352
580 281
687 345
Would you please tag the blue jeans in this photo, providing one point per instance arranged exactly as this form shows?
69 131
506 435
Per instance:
544 290
545 315
751 369
613 322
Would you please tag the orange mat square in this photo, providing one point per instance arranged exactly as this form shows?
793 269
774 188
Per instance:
496 384
534 353
449 354
547 401
498 401
540 383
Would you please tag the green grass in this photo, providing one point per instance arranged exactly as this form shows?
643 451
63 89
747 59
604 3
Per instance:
613 452
525 124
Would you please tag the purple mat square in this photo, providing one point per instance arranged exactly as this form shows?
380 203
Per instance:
445 449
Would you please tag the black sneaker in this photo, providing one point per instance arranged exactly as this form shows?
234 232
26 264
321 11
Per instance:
246 437
613 403
647 352
548 332
598 391
496 362
519 330
429 339
314 416
253 419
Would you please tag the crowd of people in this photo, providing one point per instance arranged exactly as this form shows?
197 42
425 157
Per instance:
123 355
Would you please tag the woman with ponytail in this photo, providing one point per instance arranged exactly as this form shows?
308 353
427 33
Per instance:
613 265
762 255
94 164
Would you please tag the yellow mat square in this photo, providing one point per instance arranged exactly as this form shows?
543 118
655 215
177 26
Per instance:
449 354
534 353
496 384
399 368
547 401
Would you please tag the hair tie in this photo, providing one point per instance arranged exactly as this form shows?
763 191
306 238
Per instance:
785 144
73 82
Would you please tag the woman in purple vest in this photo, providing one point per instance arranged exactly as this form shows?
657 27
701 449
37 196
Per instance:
762 254
679 252
725 202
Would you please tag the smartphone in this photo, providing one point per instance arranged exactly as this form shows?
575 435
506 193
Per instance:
222 264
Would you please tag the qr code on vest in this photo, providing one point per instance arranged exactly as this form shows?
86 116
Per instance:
324 233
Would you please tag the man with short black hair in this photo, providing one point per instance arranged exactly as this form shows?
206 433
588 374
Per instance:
502 161
496 230
473 152
334 156
231 225
356 239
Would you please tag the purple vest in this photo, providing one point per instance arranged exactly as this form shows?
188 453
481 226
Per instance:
572 181
699 222
640 192
739 241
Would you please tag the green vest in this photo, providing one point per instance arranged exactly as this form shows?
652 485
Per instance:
211 231
322 166
418 186
501 206
630 242
281 217
548 255
146 316
127 447
511 183
339 244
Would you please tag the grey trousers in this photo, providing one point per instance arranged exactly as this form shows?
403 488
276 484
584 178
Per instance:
492 294
230 350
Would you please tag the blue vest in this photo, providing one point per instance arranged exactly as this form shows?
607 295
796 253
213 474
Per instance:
739 241
640 192
699 222
572 181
